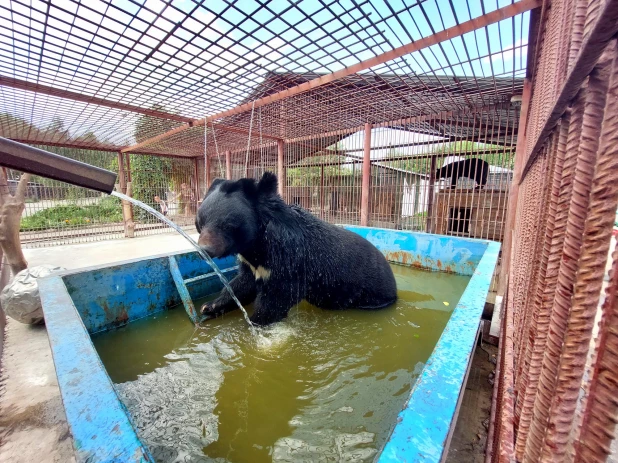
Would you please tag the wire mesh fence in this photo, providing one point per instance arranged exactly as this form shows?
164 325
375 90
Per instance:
57 213
556 398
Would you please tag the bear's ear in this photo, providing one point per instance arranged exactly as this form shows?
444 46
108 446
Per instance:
268 184
213 185
247 185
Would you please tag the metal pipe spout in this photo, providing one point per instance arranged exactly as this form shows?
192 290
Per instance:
36 161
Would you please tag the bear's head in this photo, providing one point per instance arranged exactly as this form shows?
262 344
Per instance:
228 219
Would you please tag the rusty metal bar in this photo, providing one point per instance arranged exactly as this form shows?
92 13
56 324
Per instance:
595 196
228 165
571 249
514 190
47 90
601 407
322 193
366 185
604 29
541 315
281 167
73 144
430 194
197 180
230 128
207 172
425 42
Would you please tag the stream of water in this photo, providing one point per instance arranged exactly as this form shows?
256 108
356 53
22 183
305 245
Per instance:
199 250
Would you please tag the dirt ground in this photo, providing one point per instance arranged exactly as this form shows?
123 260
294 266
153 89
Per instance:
470 435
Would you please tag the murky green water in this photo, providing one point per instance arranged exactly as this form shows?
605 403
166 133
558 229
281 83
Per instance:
319 386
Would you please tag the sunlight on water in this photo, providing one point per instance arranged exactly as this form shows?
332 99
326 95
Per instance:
319 386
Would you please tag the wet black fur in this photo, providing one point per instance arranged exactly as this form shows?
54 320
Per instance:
309 259
473 168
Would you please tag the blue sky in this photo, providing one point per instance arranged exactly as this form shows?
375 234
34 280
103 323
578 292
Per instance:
106 47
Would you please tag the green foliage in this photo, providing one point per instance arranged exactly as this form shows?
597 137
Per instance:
150 175
108 210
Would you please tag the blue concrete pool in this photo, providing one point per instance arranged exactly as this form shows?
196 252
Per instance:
82 303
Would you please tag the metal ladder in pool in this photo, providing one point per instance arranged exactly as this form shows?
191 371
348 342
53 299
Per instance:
183 290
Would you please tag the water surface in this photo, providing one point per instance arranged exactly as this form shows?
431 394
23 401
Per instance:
319 386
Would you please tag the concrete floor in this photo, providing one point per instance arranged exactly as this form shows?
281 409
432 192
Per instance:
33 424
470 435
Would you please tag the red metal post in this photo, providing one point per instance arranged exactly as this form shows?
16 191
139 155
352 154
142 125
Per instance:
514 190
322 192
430 194
280 167
207 172
366 184
197 183
228 165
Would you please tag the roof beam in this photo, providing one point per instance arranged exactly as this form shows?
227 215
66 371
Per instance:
447 34
72 144
46 90
257 135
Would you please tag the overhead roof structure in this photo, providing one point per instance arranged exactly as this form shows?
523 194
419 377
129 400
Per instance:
148 76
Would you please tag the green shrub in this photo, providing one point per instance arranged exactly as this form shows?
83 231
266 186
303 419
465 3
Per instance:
108 210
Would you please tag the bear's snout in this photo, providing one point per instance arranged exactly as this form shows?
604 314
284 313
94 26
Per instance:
212 243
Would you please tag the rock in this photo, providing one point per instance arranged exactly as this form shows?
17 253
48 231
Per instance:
20 298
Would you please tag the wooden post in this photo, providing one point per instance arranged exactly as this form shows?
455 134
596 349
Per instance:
121 176
125 188
281 168
520 151
228 165
127 158
430 194
127 214
366 184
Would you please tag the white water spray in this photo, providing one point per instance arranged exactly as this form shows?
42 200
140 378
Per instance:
199 250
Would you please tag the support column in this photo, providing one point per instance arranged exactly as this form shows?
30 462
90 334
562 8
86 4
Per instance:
430 194
122 180
124 187
520 152
322 192
366 184
281 168
127 158
228 165
197 186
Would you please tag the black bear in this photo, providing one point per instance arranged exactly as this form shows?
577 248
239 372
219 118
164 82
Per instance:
286 254
473 168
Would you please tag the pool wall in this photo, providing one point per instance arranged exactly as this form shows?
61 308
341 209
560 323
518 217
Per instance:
77 304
